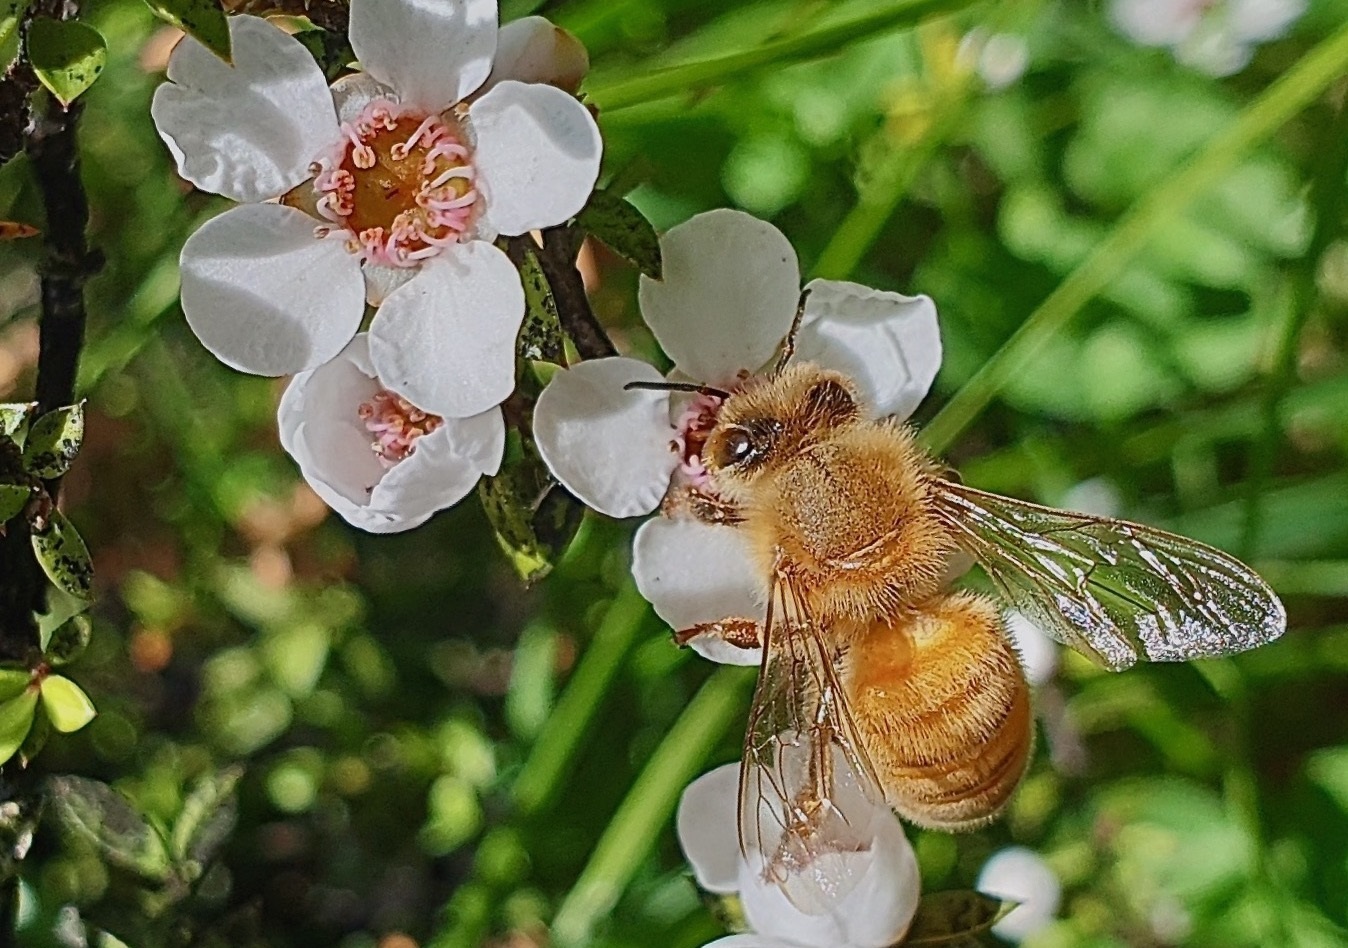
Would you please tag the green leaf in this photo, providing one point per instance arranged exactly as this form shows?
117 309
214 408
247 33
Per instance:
94 812
540 337
206 820
14 415
66 704
623 229
69 640
54 441
203 20
16 717
11 15
951 919
13 498
13 680
67 56
331 51
64 557
534 518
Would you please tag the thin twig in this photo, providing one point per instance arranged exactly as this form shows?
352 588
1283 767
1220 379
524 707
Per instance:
557 257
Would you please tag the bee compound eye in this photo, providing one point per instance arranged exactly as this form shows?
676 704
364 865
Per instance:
738 446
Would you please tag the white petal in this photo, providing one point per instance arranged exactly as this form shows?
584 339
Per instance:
351 94
1022 875
328 398
728 296
443 468
1038 652
380 282
888 342
446 340
537 152
248 131
532 49
875 913
708 828
321 428
1155 22
751 940
432 52
1260 20
693 572
264 295
610 447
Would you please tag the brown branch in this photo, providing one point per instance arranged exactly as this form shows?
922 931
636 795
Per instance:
557 257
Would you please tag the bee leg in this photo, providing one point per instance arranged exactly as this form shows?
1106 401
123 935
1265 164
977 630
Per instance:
735 632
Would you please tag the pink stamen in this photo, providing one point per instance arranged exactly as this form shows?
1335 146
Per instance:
431 202
396 424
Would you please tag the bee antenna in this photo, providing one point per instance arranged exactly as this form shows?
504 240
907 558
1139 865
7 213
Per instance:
692 387
789 343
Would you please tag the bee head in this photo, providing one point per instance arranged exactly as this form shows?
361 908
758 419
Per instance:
770 421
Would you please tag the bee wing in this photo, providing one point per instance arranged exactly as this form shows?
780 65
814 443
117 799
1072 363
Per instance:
1113 590
808 792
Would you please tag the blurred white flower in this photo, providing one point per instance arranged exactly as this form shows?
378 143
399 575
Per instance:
1021 875
382 463
1000 59
1213 36
1038 652
876 912
388 187
729 294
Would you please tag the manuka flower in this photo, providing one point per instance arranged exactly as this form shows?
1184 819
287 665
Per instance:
874 913
1020 875
390 186
1213 36
729 294
378 460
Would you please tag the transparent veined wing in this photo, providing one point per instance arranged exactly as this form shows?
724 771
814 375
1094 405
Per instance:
809 799
1116 591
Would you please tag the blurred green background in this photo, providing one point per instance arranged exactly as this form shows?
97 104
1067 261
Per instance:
435 756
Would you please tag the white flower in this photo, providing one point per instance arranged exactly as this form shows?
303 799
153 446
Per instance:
1213 36
392 186
1038 652
376 459
876 912
729 294
1021 875
1000 59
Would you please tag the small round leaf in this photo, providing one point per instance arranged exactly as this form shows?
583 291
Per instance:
67 56
13 498
53 442
64 557
66 704
16 717
68 640
13 681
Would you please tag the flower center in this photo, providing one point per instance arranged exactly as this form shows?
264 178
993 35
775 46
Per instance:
401 182
396 425
691 429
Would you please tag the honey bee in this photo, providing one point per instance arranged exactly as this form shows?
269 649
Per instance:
876 681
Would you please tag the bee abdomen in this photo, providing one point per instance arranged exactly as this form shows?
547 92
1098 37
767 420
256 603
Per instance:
942 705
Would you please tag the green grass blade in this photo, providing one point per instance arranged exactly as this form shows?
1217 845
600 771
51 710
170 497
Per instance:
1292 92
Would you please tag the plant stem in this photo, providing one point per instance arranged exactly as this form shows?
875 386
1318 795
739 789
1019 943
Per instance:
1278 103
561 735
691 77
647 807
557 257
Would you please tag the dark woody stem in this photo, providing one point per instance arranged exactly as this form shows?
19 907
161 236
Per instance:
50 141
557 258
